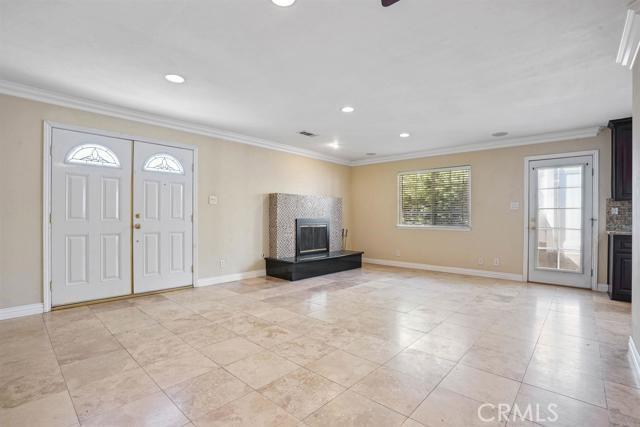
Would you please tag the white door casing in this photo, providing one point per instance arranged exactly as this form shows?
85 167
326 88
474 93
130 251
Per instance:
90 217
162 217
561 220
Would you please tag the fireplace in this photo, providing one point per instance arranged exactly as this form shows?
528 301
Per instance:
312 237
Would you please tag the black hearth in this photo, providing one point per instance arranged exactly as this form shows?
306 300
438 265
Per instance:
312 237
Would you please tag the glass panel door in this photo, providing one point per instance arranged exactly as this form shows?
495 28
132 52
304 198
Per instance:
560 221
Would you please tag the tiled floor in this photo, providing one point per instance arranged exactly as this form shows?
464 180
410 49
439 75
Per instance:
378 346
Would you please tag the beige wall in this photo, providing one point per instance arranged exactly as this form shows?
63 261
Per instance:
240 175
497 179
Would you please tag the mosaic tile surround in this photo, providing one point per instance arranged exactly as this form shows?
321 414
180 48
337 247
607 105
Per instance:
285 208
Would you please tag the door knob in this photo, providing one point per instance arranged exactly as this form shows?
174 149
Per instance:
136 226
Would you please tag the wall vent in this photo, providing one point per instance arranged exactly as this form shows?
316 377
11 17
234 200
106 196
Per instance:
305 133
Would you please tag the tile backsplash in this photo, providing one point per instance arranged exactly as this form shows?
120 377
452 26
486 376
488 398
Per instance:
620 221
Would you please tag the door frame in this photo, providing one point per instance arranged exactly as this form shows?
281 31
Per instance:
595 236
47 141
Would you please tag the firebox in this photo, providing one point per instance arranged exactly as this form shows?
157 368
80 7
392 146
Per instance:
312 236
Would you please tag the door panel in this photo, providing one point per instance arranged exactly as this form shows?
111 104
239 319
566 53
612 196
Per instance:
163 208
90 217
560 221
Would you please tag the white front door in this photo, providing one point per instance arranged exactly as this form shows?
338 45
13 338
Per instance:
162 216
90 217
561 221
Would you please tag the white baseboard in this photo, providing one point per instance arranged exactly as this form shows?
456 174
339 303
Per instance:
21 310
443 269
635 356
208 281
602 287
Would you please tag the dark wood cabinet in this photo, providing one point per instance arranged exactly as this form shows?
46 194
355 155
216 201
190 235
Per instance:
621 159
620 267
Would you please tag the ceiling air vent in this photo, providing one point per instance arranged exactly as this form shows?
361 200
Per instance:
305 133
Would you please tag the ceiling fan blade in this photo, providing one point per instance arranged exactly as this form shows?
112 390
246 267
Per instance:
387 3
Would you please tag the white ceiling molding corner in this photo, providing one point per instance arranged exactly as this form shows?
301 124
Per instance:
630 41
588 132
49 97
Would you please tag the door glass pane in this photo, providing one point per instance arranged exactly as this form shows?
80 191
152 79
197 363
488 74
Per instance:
559 218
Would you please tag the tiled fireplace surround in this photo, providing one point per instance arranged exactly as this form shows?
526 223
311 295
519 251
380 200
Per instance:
284 209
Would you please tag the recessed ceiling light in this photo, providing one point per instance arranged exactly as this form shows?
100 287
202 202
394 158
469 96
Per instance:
174 78
370 154
347 109
499 134
335 145
405 135
283 3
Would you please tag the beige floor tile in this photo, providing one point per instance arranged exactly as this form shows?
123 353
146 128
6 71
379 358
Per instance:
174 370
342 368
624 404
373 349
165 310
242 325
439 346
270 336
446 408
111 392
412 423
80 373
500 355
303 350
480 385
301 392
154 410
420 364
249 411
53 410
74 347
126 319
352 409
206 336
394 389
231 350
277 315
552 409
203 394
261 368
185 324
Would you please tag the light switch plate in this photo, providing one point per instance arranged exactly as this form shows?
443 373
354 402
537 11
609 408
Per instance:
515 206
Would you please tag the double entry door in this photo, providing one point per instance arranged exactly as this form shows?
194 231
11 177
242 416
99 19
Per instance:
121 217
561 221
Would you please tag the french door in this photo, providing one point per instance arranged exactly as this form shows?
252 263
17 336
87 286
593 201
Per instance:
121 217
561 221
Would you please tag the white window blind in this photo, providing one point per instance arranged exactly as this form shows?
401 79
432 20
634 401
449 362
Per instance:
435 197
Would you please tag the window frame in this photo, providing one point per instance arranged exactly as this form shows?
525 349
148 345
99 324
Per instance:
427 226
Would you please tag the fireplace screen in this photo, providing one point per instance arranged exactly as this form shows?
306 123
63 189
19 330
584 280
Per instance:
312 236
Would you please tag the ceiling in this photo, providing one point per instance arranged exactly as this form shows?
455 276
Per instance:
450 72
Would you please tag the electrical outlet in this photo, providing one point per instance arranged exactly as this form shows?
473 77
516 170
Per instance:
496 261
515 206
480 261
213 199
614 211
222 262
397 252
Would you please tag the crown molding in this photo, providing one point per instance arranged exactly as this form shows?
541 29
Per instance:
55 98
588 132
630 41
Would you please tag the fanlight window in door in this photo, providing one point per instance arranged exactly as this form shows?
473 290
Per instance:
163 162
93 155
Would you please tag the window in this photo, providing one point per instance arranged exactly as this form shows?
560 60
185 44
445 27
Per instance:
435 198
94 155
165 163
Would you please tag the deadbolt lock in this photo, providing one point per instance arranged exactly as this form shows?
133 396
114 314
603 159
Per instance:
136 226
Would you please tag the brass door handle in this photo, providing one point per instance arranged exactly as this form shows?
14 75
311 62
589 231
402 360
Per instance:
136 226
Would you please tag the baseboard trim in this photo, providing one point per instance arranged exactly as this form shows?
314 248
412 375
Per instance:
444 269
635 356
215 280
602 287
21 310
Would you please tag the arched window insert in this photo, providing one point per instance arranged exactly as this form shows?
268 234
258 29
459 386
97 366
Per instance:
163 162
93 155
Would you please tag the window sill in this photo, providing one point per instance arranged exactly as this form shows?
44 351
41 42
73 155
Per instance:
433 227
